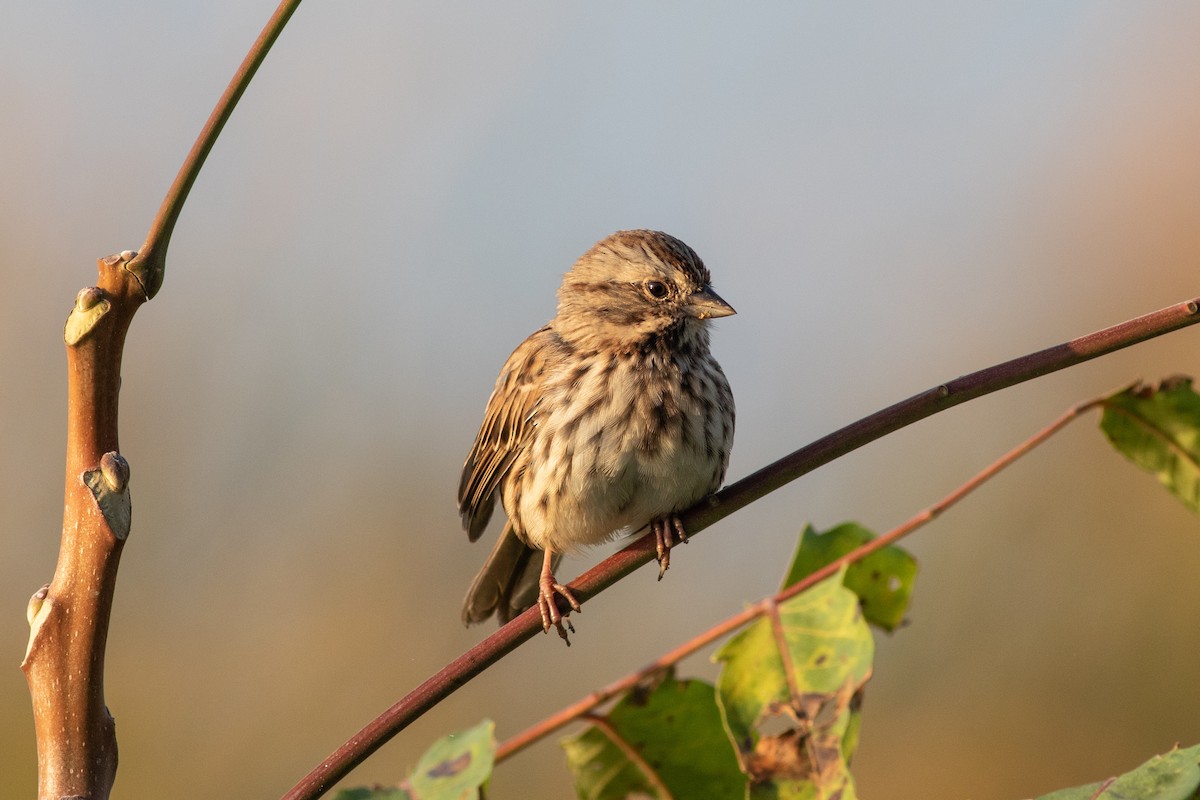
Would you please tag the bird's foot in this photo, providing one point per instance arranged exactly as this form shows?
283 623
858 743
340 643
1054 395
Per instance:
666 529
547 589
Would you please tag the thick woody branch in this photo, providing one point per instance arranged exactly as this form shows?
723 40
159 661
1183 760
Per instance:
724 503
68 618
64 662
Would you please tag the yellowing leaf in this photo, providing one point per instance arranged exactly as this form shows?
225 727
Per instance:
789 710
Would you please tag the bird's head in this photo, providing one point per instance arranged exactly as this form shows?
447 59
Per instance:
636 287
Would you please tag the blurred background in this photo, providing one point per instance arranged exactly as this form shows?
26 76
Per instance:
889 196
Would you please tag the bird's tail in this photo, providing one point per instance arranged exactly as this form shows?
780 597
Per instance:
508 582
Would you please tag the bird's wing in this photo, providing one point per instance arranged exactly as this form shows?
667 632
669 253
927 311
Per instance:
506 430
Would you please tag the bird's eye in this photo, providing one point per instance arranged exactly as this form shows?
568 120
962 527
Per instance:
656 289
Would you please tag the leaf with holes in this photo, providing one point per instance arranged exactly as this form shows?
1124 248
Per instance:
663 735
788 696
883 580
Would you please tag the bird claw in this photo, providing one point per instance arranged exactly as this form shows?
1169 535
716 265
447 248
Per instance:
666 529
549 609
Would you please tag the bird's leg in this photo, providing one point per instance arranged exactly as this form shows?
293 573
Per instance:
666 529
547 588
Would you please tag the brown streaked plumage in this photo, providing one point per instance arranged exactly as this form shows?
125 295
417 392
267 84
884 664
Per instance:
612 416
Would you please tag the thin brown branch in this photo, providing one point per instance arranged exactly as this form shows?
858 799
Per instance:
770 606
724 503
150 263
572 712
940 398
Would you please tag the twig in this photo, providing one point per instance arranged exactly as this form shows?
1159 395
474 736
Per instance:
572 712
724 503
150 263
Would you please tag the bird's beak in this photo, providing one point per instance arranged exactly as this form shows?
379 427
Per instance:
706 304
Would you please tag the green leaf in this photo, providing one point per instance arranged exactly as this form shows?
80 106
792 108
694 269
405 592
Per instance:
1158 428
675 730
372 793
792 742
453 768
883 580
456 765
1173 776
